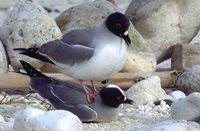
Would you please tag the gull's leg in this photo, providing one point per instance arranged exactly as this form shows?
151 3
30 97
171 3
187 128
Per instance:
90 96
94 88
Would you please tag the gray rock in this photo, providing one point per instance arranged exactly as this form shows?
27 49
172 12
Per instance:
146 91
164 23
196 39
187 108
2 15
55 7
91 14
86 15
189 80
165 65
27 26
3 60
171 125
6 4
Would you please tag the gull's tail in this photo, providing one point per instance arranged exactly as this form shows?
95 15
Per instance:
33 52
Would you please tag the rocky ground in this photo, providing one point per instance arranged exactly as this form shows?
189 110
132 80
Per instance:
131 117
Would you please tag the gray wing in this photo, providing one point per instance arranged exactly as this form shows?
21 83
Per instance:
80 37
61 52
68 92
84 112
71 97
65 95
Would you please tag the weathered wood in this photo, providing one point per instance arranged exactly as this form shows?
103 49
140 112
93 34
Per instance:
176 60
182 57
175 53
14 81
191 55
167 54
112 1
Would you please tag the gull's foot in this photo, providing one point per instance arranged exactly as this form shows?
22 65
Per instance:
91 97
94 93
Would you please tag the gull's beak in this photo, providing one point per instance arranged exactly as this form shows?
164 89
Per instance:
128 101
126 38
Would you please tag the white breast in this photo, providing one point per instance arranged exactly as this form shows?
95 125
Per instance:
107 60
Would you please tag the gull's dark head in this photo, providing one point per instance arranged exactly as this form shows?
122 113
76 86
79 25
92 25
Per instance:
113 96
118 24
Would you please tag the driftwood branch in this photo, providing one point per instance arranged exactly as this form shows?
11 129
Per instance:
175 53
112 1
14 81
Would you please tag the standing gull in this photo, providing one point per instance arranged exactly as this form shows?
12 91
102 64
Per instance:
88 54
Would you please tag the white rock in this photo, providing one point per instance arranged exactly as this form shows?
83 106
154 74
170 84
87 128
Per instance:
177 95
90 15
3 60
146 91
57 120
7 126
27 26
1 119
164 23
189 80
187 108
171 125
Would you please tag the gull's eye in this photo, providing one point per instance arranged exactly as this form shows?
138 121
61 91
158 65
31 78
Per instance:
118 26
118 98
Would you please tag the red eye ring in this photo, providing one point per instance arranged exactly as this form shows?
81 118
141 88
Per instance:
118 25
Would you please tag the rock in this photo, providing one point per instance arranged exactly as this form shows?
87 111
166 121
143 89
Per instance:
57 120
7 125
94 13
9 109
189 80
187 108
196 39
6 4
146 91
165 23
27 26
177 95
164 65
139 61
171 125
122 5
86 15
3 60
55 7
2 15
1 119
